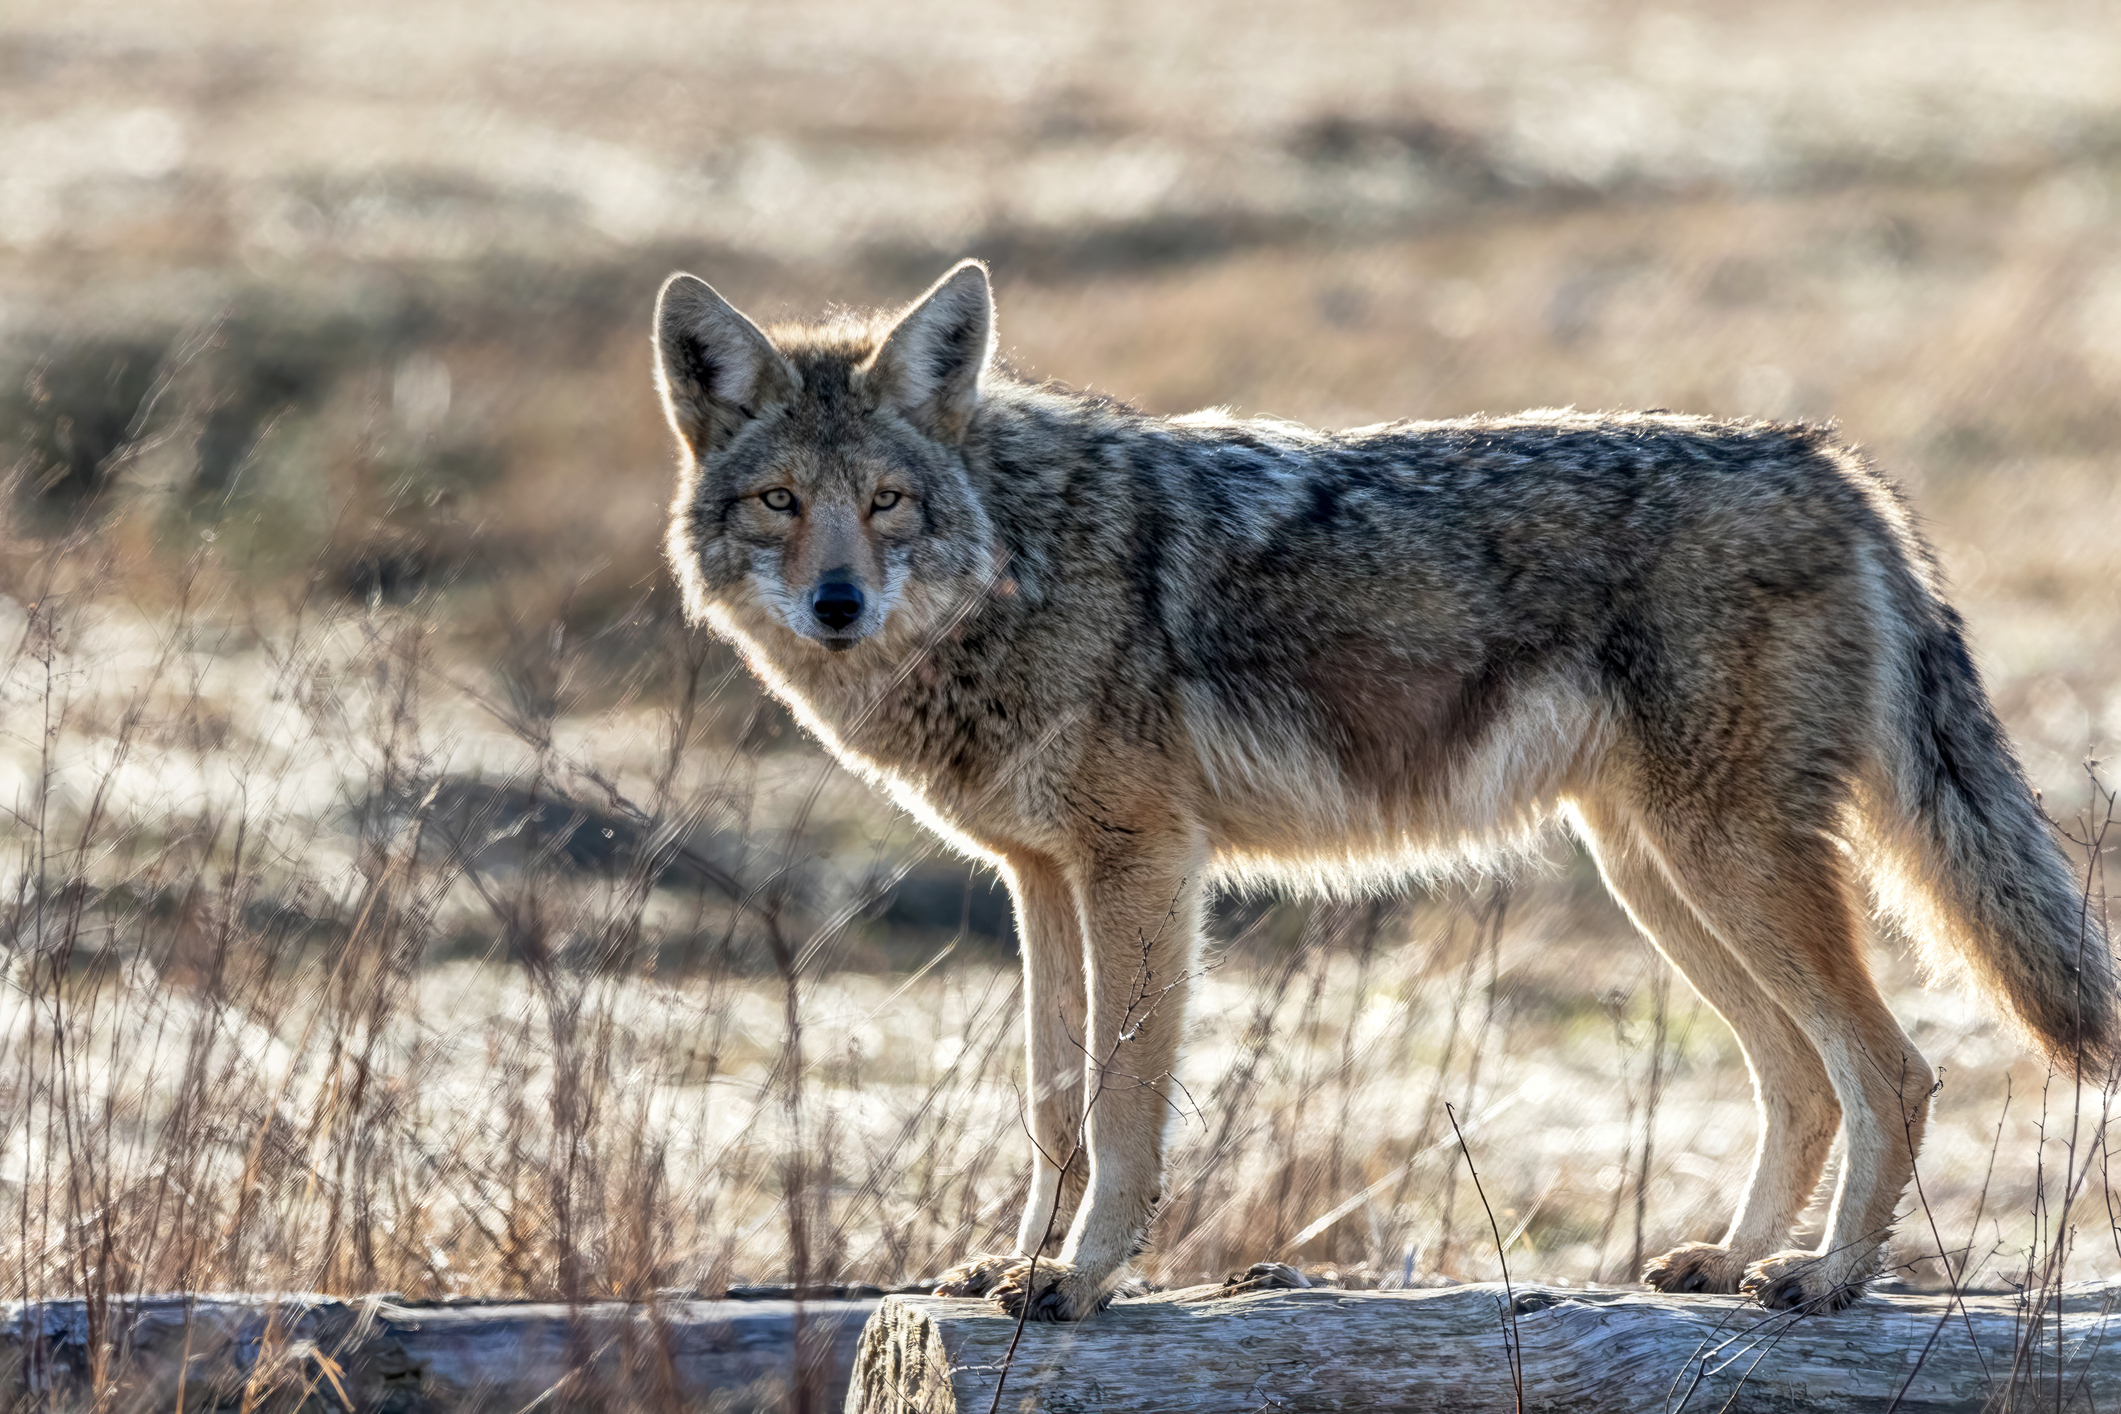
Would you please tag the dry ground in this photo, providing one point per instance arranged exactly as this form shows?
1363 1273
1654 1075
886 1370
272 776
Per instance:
333 563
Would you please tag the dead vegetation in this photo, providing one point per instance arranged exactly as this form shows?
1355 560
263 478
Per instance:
397 899
336 967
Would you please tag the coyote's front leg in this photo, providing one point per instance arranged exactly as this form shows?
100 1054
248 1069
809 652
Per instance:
1141 919
1050 920
1049 925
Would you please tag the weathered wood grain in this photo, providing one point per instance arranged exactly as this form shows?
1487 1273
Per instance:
375 1355
1445 1350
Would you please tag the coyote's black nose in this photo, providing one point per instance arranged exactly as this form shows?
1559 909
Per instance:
837 602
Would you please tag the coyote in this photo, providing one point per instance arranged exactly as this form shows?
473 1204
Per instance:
1121 657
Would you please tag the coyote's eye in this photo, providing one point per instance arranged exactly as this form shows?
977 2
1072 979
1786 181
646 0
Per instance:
884 501
780 498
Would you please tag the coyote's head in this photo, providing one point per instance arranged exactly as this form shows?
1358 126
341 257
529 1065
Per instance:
825 492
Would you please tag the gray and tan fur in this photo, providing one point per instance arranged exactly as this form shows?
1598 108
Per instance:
1121 657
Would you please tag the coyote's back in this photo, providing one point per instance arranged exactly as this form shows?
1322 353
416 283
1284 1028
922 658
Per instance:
1117 654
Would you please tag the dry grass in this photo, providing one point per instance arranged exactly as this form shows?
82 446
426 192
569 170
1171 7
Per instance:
398 899
300 1001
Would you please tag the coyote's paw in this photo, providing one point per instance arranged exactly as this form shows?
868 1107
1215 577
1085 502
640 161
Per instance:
1696 1267
976 1276
1800 1281
1055 1292
1050 1291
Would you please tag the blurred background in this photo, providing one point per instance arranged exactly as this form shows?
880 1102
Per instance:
396 259
337 480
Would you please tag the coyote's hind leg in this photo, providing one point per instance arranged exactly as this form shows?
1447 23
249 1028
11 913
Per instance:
1798 1112
1775 893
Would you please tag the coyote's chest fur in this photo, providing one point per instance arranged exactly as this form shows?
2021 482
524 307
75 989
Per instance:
972 769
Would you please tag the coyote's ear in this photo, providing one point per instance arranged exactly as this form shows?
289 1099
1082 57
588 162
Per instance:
930 364
715 369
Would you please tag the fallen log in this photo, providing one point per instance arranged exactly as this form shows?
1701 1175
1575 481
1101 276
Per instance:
280 1352
1454 1350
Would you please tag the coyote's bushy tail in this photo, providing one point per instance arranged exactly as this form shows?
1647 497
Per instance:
1971 864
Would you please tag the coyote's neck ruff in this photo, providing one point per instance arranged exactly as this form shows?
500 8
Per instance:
1118 656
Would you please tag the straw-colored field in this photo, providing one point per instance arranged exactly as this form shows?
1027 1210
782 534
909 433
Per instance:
401 899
